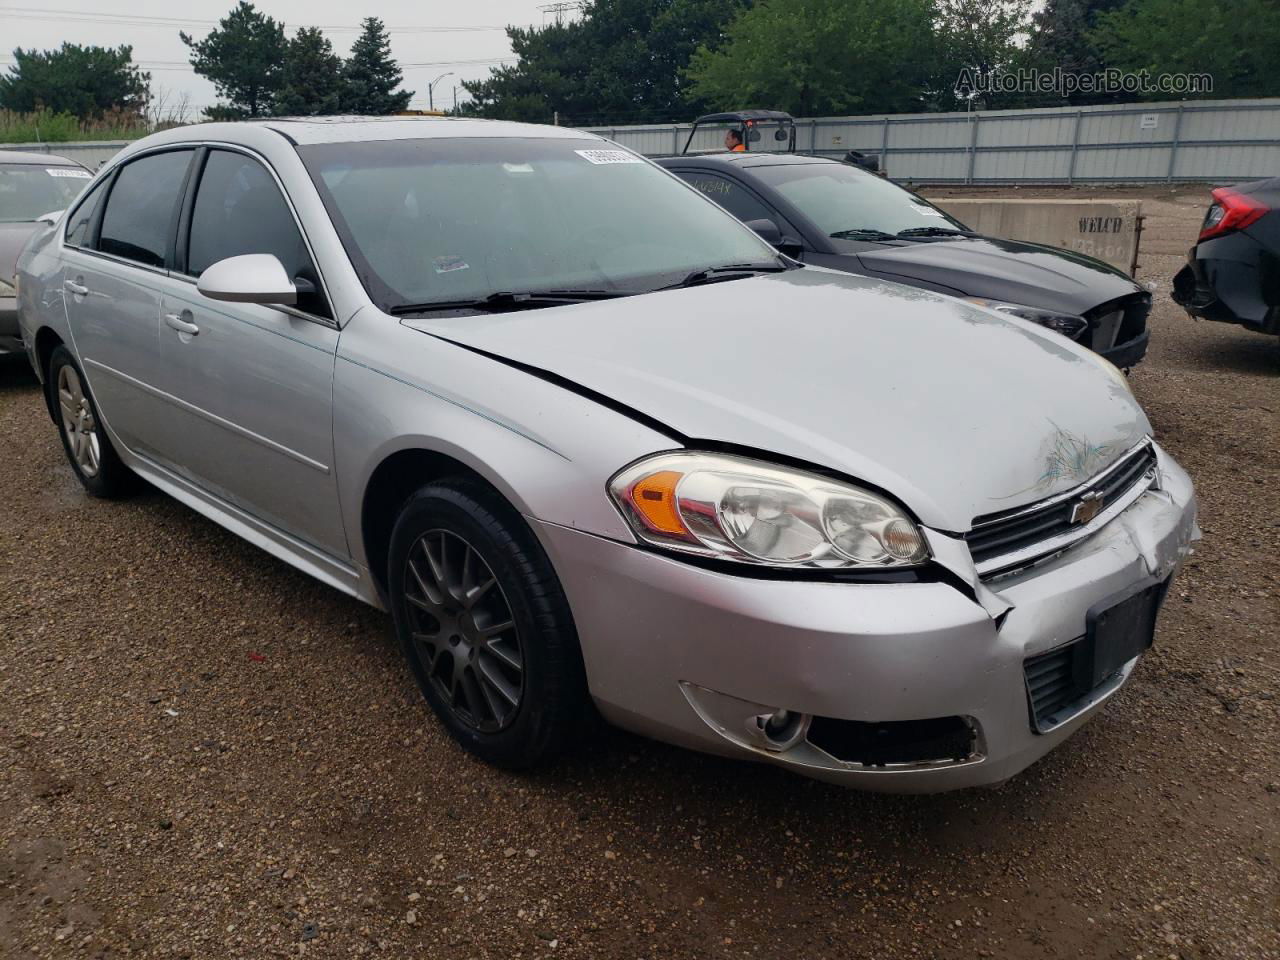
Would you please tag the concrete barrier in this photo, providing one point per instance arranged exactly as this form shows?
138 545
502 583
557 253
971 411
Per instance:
1107 230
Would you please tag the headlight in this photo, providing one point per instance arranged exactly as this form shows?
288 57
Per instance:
1068 324
1112 371
738 509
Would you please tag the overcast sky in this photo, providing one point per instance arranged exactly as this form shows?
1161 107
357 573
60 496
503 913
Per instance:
427 39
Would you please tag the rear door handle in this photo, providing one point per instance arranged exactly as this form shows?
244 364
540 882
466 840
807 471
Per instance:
177 322
79 289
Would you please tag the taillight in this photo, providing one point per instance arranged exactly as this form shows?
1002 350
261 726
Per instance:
1231 210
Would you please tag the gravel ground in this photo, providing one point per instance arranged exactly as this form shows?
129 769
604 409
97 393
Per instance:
205 754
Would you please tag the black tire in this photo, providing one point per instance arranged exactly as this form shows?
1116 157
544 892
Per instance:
443 640
104 475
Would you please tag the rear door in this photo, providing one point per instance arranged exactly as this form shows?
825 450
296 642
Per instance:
251 384
118 243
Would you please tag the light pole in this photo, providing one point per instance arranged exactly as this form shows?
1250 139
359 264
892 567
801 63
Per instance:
431 101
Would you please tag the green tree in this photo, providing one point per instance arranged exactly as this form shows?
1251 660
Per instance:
978 39
1061 38
311 80
815 57
244 58
622 61
1236 42
84 81
372 76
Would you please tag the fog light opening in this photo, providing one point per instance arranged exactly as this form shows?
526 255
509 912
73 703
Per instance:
780 730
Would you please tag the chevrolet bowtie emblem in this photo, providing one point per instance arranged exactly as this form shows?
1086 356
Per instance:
1086 508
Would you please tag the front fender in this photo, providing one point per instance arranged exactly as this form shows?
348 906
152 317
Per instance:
547 450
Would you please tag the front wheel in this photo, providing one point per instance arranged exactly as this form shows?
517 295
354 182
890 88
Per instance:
485 625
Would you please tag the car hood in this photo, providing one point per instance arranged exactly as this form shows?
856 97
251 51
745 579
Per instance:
13 237
1005 270
955 410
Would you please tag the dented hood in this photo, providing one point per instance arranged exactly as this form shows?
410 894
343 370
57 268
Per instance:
955 410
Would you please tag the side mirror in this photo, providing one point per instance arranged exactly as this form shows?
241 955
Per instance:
251 278
768 231
49 218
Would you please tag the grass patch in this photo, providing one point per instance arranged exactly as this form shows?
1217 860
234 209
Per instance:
45 126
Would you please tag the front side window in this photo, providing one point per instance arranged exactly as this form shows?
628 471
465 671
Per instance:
139 220
842 199
29 190
239 210
732 196
447 220
81 218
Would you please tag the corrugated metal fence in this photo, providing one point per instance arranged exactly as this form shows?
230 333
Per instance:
1213 140
1217 140
90 153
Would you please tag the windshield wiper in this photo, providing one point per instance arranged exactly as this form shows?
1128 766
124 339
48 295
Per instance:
503 301
863 233
935 232
730 271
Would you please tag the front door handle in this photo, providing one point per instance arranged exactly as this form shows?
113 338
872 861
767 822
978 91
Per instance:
79 289
177 322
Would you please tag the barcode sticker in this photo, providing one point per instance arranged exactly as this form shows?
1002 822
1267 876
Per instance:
608 156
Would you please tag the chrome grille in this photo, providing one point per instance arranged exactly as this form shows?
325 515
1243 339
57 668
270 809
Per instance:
1012 539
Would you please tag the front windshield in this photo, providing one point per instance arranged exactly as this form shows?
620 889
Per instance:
841 199
29 191
452 220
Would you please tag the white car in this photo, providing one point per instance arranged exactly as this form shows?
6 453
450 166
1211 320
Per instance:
591 441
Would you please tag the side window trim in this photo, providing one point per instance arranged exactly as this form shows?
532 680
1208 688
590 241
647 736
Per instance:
183 237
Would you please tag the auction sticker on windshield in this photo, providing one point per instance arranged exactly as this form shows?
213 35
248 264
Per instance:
68 172
608 156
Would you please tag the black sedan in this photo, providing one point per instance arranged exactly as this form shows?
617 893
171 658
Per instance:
1233 271
836 215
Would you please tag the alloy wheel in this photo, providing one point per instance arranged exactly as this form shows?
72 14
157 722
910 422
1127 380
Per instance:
78 422
463 631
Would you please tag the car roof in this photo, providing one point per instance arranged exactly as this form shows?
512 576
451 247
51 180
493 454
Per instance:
47 159
745 115
304 131
307 130
746 159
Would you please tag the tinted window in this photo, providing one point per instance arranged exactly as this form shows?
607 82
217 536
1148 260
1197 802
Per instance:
139 220
454 219
839 197
239 209
732 196
28 191
82 216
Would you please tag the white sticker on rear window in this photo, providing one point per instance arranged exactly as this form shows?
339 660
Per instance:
927 211
67 172
608 156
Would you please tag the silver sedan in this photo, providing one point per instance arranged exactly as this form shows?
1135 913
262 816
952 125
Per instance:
599 449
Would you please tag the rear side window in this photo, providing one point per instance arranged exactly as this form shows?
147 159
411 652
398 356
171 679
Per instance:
733 197
139 220
82 218
239 209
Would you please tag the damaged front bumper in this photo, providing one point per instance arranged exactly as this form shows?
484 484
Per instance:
899 686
